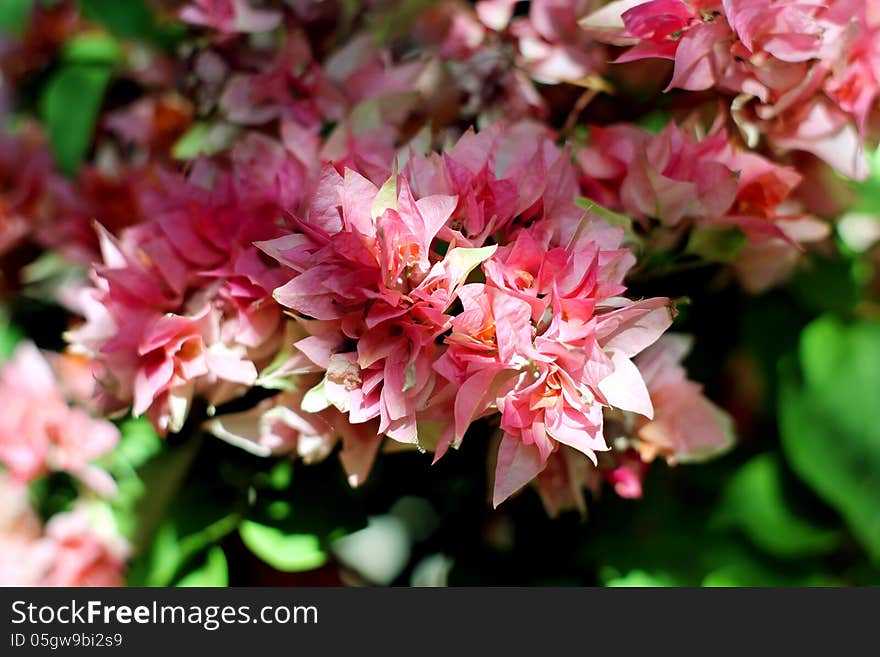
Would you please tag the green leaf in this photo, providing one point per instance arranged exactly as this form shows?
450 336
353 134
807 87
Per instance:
139 442
188 505
204 138
281 475
179 540
275 376
746 572
54 493
161 477
829 284
387 196
315 400
394 20
655 121
92 48
716 244
461 261
614 218
69 108
285 499
636 578
868 190
137 445
755 503
132 19
213 572
830 424
9 335
14 15
285 552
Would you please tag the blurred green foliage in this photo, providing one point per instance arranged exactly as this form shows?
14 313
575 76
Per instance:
69 109
133 19
831 421
14 15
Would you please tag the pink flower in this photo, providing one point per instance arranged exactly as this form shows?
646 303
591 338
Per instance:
626 475
673 177
24 557
562 482
230 16
686 426
279 426
80 547
559 398
366 269
476 60
552 47
658 22
40 432
784 64
181 305
85 551
274 89
503 177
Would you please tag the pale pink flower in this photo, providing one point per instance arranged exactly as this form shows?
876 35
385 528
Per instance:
552 48
230 16
85 550
279 426
686 426
181 304
80 547
674 177
626 474
559 397
562 482
41 433
503 177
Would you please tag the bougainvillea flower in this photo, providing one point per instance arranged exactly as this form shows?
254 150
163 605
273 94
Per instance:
86 550
41 433
674 177
80 547
686 426
230 16
549 349
368 265
801 74
24 557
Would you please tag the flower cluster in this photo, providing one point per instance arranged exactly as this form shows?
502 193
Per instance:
308 225
48 425
802 75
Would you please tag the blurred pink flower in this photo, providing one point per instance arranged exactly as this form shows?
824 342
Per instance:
230 16
76 548
40 432
85 552
686 426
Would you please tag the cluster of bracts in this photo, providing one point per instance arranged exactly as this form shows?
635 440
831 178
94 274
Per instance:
399 226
